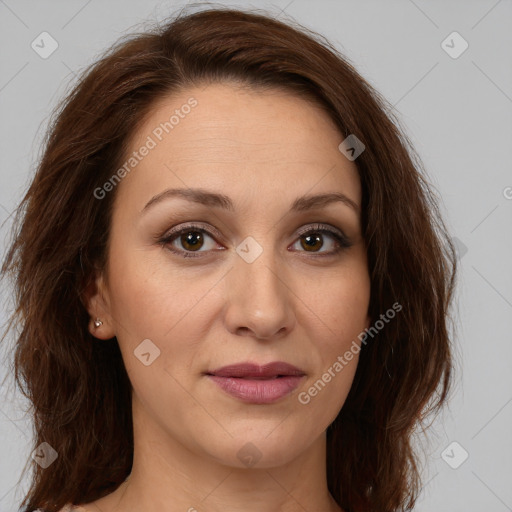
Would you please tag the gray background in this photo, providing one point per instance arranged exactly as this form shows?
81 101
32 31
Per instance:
457 112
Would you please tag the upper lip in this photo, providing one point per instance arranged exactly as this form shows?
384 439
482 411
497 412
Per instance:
269 370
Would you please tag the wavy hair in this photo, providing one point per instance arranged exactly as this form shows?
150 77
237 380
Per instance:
79 390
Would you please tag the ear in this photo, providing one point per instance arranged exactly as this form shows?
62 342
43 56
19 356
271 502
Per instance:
97 302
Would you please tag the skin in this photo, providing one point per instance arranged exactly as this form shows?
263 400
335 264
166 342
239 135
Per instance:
263 149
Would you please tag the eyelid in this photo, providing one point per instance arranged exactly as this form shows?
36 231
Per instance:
320 227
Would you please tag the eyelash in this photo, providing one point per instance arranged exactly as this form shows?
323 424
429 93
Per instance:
342 241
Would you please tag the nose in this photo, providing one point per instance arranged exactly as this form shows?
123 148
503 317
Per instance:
259 298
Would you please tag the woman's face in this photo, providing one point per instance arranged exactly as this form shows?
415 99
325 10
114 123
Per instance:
262 283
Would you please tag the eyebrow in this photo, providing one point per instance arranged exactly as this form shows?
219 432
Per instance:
212 199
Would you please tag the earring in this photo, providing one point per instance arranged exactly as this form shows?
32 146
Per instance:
98 322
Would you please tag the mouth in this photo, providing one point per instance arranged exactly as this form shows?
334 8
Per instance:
257 384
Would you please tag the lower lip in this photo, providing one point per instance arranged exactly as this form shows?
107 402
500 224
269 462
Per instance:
258 391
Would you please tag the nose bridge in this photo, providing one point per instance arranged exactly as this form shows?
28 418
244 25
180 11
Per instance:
258 298
257 270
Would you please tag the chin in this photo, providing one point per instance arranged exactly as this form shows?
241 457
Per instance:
252 448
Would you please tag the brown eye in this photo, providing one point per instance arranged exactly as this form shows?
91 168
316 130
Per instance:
192 240
311 242
314 239
189 241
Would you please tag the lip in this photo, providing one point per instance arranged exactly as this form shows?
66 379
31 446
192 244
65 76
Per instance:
257 384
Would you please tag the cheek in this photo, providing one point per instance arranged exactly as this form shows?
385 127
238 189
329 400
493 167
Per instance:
342 306
341 303
153 300
152 297
338 348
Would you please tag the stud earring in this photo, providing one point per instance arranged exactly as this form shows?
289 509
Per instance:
98 322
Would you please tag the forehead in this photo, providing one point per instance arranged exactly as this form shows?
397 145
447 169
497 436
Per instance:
230 115
224 136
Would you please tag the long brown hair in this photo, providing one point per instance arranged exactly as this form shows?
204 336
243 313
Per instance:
79 388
